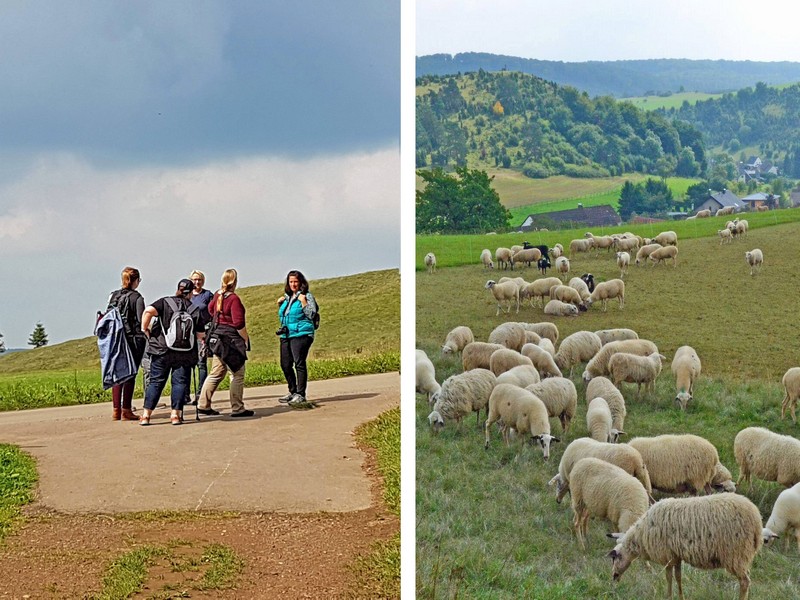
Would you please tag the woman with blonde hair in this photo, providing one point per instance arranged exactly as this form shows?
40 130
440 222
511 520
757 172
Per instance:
228 343
201 298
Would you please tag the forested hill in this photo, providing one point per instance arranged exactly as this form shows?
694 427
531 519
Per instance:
623 78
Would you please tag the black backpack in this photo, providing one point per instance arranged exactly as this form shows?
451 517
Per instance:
121 300
315 318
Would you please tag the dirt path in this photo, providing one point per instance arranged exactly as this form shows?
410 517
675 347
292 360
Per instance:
304 490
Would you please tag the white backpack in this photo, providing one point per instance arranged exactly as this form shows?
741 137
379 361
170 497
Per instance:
179 334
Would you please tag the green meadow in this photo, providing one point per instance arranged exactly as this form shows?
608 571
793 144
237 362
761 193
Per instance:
488 525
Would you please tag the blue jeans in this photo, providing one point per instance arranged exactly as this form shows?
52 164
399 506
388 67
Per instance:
160 368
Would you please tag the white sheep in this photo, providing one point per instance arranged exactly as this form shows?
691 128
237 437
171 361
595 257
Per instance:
579 245
559 396
709 532
539 288
426 376
631 368
556 251
457 339
791 386
598 420
460 395
507 291
576 348
645 251
560 309
769 456
666 238
665 253
725 236
785 515
600 489
562 266
601 387
567 294
486 259
623 261
430 262
580 286
741 228
683 463
545 329
521 283
503 258
703 214
616 335
515 248
476 355
509 334
532 337
754 258
607 290
543 361
546 345
527 256
505 359
520 376
600 242
598 365
686 368
725 210
521 410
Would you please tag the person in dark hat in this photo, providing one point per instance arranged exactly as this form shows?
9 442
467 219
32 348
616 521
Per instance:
172 348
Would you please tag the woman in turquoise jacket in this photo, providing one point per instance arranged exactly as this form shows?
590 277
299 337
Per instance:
296 310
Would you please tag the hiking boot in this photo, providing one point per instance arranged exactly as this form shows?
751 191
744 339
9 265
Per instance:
115 415
128 415
286 398
244 413
208 411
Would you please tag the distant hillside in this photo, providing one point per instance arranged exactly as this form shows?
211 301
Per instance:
624 78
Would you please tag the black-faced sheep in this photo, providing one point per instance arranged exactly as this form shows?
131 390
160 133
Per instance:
769 456
588 279
456 340
521 410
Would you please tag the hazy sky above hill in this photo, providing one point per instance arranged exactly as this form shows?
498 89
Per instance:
178 135
582 30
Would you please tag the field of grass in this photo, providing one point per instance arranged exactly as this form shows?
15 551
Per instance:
488 525
17 480
673 101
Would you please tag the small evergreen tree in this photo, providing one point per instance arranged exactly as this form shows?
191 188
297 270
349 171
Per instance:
38 337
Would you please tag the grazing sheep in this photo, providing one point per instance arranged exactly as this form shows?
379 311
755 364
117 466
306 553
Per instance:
724 236
507 291
631 368
741 228
579 245
527 256
646 251
539 288
598 365
542 360
600 489
623 261
560 309
562 266
457 339
577 348
767 455
546 345
682 463
626 244
532 337
616 335
521 283
567 294
460 395
588 279
710 532
703 214
601 387
505 359
556 251
606 290
686 368
503 258
430 262
559 396
579 285
725 210
520 376
791 385
754 258
600 242
664 253
426 376
476 355
486 259
545 329
785 514
521 410
666 238
598 420
762 208
510 334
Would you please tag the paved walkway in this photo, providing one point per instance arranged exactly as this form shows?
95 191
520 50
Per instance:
281 460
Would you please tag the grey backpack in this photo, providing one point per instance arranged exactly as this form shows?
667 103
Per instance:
179 333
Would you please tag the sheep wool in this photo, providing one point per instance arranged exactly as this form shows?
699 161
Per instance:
616 335
664 254
542 360
510 334
631 368
598 420
766 455
623 261
477 354
505 359
567 294
786 514
599 363
430 262
520 376
645 251
503 258
577 348
426 376
560 309
580 286
521 410
686 369
601 387
507 291
457 339
754 258
546 345
608 290
559 396
462 394
545 329
537 290
486 259
791 386
666 238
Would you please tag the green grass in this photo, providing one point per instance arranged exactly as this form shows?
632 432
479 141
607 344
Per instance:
488 525
18 478
224 565
666 102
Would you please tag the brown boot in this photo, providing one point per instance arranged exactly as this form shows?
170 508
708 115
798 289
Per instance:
115 415
129 415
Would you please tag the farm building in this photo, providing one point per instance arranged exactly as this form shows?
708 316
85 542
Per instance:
753 201
717 200
590 216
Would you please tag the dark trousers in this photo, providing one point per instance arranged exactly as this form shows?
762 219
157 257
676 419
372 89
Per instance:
160 369
294 352
202 373
122 394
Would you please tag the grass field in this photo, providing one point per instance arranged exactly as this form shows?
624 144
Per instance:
673 101
487 524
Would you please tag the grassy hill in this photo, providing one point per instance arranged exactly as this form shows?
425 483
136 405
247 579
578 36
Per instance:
671 101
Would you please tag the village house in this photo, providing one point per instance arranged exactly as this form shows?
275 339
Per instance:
590 216
716 200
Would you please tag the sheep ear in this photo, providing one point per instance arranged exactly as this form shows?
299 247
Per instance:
613 553
555 439
614 536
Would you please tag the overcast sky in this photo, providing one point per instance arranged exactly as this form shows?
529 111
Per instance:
172 136
582 30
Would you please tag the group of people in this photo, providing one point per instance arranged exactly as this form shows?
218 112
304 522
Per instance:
177 334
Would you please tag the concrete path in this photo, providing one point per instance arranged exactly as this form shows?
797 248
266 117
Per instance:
281 460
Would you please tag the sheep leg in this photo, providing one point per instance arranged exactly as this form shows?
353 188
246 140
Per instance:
668 574
797 536
744 586
489 421
677 568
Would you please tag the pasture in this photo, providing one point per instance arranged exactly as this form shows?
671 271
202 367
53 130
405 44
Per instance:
488 525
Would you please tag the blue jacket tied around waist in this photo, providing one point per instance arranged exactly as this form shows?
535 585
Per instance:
116 360
295 317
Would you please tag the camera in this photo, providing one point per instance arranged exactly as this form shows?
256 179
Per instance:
282 331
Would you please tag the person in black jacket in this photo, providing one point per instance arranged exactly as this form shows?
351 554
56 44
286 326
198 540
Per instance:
131 306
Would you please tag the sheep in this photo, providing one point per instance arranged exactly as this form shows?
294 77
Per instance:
664 253
703 214
621 455
724 236
645 251
426 376
692 218
503 292
556 251
520 376
785 514
600 489
598 420
567 294
682 463
532 337
545 329
539 288
505 359
601 387
546 345
562 266
666 238
560 309
626 244
457 339
598 365
477 354
430 262
515 248
741 228
542 360
791 385
686 368
767 455
710 532
600 242
510 334
559 396
579 245
521 410
762 208
623 260
631 368
460 395
521 283
577 348
580 286
725 210
527 256
486 259
503 258
616 335
754 258
607 290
